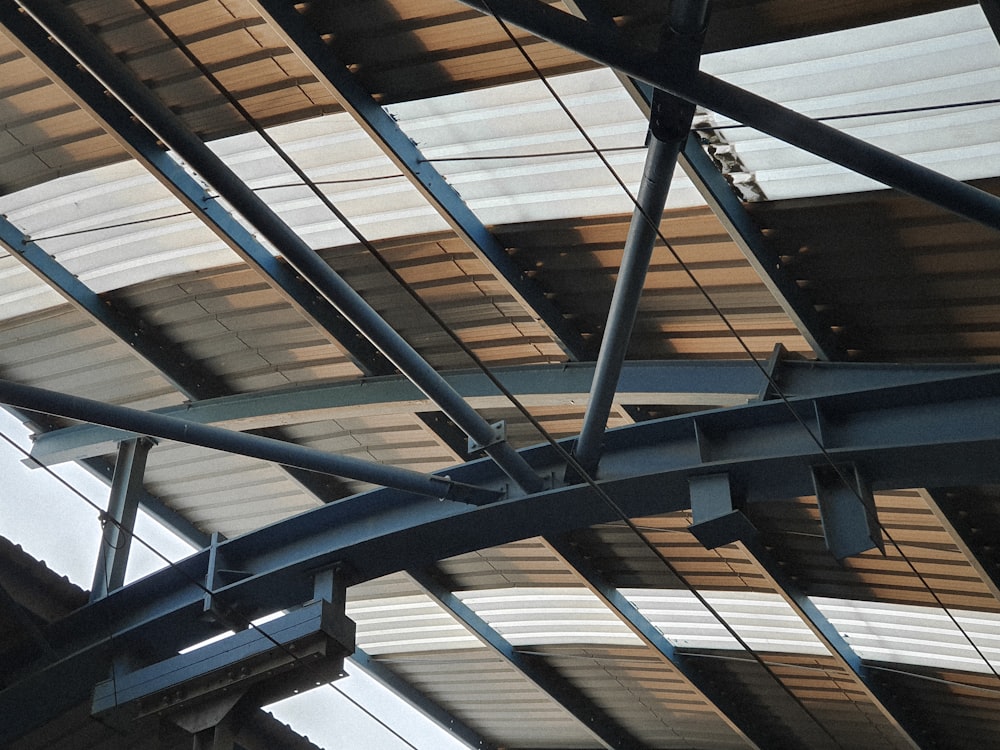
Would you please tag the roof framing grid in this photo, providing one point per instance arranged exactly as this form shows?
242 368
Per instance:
730 211
878 691
145 147
903 437
385 132
608 47
591 717
190 378
68 30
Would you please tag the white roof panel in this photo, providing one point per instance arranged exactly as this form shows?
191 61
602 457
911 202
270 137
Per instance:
936 60
514 155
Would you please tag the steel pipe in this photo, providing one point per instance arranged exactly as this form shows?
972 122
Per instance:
670 124
254 446
70 33
611 48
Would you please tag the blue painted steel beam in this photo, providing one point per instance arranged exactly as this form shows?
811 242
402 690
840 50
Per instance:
740 716
653 383
932 434
891 705
319 57
142 145
418 700
590 717
254 446
748 237
609 47
64 26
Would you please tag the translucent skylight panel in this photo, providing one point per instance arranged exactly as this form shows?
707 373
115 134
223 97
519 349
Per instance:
22 292
114 226
407 624
514 155
536 616
924 636
764 621
935 60
348 167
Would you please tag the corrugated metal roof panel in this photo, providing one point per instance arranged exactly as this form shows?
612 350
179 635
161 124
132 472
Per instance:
240 327
940 59
115 226
62 350
492 145
643 694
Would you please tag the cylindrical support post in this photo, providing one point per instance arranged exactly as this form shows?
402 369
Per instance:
669 126
119 521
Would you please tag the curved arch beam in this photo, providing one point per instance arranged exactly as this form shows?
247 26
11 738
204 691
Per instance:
652 383
930 434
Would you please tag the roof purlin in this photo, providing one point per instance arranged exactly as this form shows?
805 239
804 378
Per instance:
386 133
733 216
144 147
591 718
736 715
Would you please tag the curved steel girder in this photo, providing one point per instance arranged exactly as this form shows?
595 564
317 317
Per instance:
659 383
930 434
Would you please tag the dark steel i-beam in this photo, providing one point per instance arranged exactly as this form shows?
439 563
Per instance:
611 48
68 30
254 446
669 127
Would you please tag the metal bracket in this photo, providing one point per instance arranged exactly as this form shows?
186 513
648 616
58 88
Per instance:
217 577
499 436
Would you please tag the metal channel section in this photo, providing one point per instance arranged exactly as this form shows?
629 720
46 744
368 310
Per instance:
669 124
881 694
933 434
591 718
70 33
307 45
608 47
62 69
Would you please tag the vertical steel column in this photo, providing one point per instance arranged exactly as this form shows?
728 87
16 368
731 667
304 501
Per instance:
669 125
119 523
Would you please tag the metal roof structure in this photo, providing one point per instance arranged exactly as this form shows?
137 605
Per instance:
594 374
